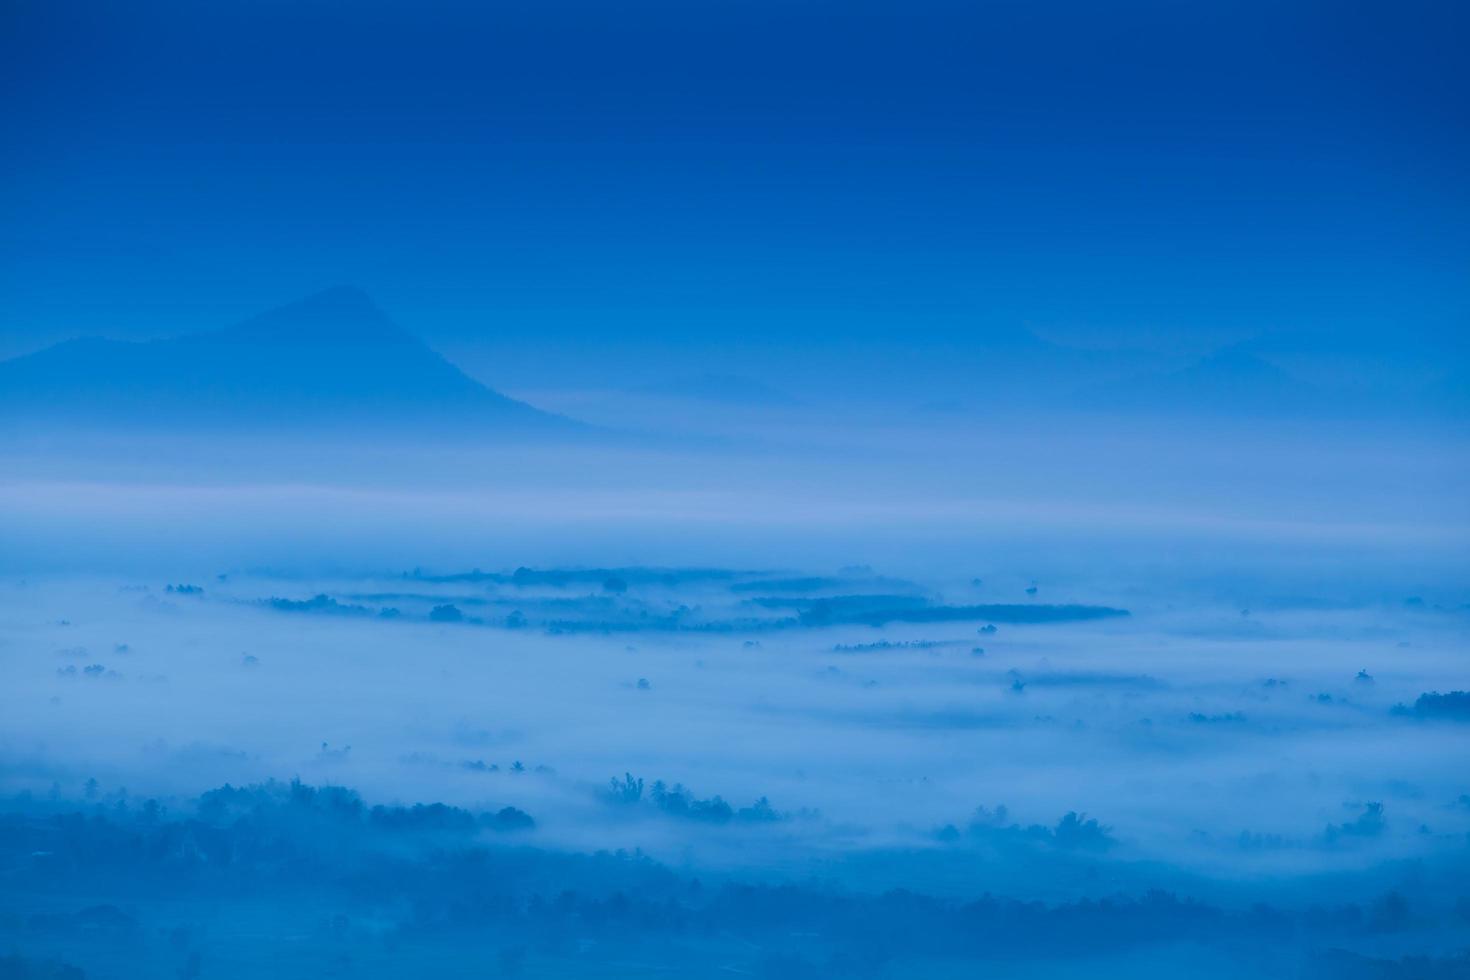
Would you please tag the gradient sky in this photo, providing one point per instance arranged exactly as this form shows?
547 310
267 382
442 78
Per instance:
1167 174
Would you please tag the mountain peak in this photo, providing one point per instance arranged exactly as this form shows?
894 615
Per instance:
341 294
1238 365
333 358
339 316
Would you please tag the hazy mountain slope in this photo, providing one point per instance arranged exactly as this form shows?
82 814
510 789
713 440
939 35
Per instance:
1231 381
331 359
726 389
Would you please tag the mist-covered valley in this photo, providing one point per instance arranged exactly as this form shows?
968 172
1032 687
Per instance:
710 768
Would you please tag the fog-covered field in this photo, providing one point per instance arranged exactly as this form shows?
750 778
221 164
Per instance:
429 759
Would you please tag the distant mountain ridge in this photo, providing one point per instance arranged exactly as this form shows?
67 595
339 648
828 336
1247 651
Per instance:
332 359
728 389
1232 380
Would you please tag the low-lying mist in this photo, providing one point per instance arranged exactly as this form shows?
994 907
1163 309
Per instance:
844 731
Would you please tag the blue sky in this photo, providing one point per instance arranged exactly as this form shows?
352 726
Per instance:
1173 175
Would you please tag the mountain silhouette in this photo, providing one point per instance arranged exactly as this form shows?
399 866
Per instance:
727 389
1231 381
333 359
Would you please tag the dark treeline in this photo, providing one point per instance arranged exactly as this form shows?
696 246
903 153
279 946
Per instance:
879 610
441 874
678 801
610 612
1451 706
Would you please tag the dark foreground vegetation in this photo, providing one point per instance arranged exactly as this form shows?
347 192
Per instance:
308 881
